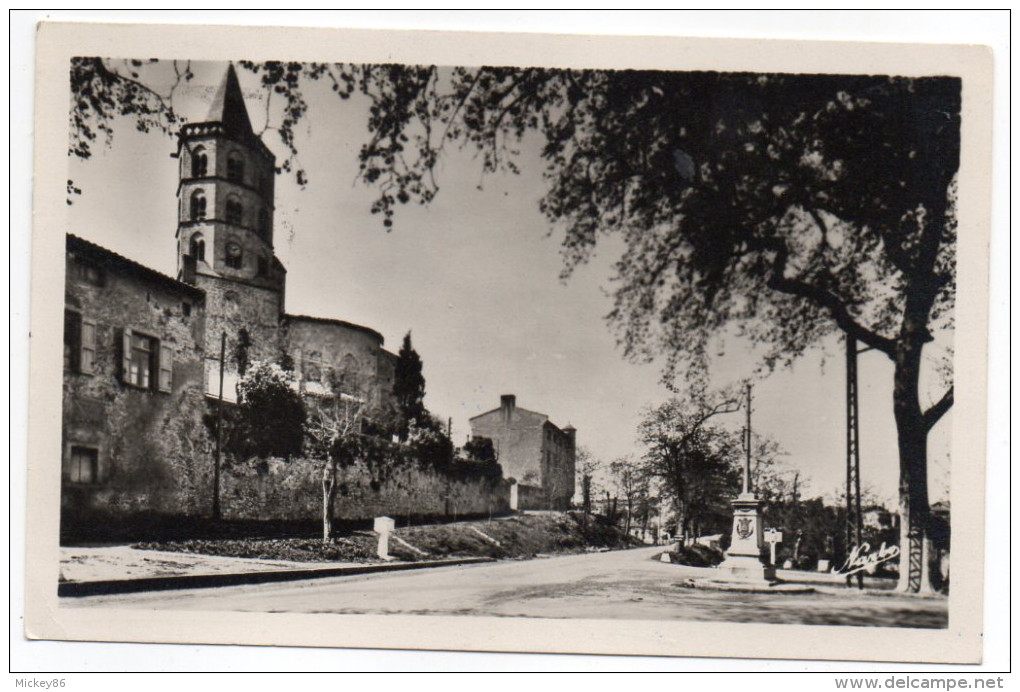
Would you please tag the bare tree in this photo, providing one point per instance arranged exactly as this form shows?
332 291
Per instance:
587 466
334 425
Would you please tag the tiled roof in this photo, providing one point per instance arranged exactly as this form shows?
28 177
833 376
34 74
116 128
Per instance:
339 323
111 260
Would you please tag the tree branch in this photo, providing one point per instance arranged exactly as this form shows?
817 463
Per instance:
824 299
935 413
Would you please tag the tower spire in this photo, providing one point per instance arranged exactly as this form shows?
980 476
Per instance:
228 107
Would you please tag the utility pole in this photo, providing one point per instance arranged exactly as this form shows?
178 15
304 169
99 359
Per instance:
219 432
854 528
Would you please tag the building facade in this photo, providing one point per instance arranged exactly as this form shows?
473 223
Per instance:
533 451
133 432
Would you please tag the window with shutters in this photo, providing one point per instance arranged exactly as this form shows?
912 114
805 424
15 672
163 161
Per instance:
147 363
83 465
79 343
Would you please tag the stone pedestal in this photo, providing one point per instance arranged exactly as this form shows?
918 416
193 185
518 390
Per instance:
743 559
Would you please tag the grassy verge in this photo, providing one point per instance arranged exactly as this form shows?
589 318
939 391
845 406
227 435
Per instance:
518 536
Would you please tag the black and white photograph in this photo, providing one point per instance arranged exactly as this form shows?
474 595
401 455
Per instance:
459 353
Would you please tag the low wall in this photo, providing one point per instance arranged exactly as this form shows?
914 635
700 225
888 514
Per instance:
291 490
531 497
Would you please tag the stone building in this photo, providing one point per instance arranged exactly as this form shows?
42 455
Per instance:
142 350
133 437
533 451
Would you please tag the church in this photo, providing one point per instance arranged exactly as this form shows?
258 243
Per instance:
142 350
225 249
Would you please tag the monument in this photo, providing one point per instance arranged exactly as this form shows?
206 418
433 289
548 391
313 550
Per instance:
744 558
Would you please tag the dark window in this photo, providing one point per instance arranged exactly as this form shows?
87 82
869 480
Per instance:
235 256
140 360
234 211
72 339
84 465
199 164
263 223
83 270
349 381
197 247
186 309
147 363
235 167
197 205
263 266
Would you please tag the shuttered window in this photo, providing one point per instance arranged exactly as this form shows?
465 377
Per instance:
166 368
84 465
79 343
87 359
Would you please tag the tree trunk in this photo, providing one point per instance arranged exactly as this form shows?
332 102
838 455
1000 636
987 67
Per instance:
328 497
912 438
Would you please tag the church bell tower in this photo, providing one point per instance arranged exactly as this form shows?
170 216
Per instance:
225 221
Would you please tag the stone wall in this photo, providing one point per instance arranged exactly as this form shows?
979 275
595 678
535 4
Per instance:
291 491
531 497
231 306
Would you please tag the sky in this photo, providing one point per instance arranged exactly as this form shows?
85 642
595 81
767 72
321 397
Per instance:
475 277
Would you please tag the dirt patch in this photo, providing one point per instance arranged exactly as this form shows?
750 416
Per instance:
696 556
519 536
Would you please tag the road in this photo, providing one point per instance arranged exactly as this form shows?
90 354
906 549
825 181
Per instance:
622 584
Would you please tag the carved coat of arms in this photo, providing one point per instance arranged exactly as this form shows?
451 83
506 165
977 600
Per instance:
744 527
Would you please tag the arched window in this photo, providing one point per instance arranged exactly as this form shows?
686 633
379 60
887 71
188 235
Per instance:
263 266
199 163
235 256
196 248
235 211
349 375
235 167
197 205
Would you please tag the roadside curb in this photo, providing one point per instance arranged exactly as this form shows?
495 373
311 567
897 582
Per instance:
107 587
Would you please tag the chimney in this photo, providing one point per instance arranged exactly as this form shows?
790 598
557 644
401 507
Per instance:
507 403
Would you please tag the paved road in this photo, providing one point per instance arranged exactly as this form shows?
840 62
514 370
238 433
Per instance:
623 584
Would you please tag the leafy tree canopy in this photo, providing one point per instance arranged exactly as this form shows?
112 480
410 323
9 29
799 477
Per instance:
409 387
271 413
